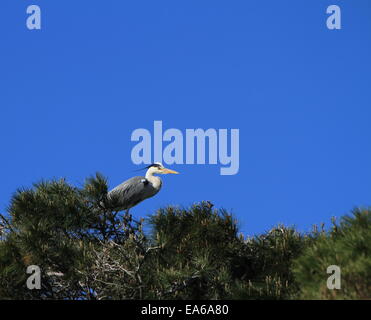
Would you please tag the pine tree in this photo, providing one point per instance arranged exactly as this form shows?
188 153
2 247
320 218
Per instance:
70 236
86 251
348 246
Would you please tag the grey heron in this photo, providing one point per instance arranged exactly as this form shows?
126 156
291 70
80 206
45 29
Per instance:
133 191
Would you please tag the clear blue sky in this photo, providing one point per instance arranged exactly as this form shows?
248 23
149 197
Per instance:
72 93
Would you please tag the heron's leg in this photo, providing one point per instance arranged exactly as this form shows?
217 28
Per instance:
128 216
126 223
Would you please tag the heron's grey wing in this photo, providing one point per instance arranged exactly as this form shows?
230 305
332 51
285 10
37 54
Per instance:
128 193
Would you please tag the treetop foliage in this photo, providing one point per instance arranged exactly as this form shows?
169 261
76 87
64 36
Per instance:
86 251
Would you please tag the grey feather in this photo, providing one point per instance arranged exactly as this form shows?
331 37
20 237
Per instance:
130 193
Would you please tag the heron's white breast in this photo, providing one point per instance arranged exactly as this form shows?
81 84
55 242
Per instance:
155 182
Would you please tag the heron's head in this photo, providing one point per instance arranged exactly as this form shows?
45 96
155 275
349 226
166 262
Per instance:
158 168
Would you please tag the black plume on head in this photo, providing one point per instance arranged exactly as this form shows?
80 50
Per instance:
151 165
154 165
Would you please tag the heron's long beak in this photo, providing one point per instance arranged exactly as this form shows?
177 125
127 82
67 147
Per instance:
169 171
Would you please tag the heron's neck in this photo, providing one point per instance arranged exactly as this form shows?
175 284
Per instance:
154 180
